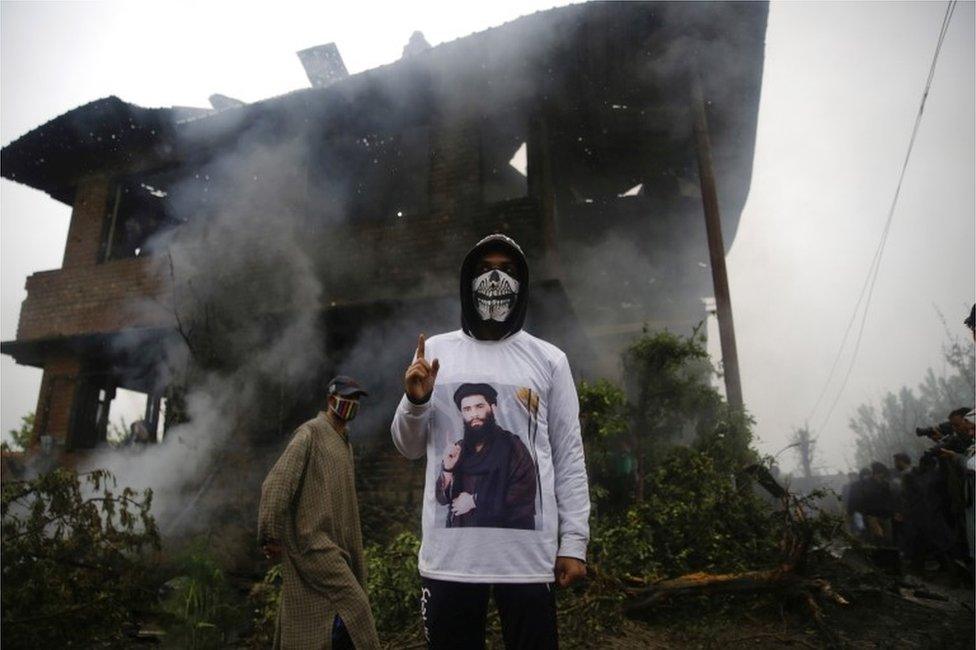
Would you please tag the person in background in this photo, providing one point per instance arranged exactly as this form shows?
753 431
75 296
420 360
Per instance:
309 517
960 422
877 505
900 523
855 512
929 535
845 497
959 466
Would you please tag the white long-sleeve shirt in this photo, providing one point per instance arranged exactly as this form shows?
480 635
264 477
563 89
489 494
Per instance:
537 402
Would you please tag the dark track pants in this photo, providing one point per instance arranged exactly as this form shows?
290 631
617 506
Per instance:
455 612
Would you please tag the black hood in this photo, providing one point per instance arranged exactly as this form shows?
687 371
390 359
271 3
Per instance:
471 323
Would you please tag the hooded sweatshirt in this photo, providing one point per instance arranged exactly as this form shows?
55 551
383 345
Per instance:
521 463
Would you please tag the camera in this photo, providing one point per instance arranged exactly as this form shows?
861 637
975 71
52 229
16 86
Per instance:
944 429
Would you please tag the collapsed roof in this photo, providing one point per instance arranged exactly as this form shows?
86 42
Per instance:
615 72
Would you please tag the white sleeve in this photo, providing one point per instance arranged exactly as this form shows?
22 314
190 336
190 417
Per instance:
569 467
409 428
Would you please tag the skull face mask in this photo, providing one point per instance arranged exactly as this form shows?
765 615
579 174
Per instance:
494 294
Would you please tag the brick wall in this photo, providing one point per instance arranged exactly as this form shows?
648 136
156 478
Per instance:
56 398
366 260
411 257
87 222
97 298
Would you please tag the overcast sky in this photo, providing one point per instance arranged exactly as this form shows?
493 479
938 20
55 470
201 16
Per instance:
841 87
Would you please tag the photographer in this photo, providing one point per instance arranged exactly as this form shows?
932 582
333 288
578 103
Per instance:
960 423
941 434
949 455
959 464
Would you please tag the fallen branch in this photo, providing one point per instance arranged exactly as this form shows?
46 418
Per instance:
780 580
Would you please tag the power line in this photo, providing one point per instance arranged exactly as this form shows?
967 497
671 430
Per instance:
873 269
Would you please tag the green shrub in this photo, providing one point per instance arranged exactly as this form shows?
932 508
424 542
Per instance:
265 598
77 559
200 606
393 583
21 437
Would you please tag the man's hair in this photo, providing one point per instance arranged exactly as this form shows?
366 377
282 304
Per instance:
961 412
902 456
467 390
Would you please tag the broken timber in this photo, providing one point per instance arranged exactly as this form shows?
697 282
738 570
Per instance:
784 580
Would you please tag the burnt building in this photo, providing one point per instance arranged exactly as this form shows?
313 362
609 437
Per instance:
569 129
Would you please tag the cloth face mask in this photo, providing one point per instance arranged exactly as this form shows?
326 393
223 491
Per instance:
345 409
494 295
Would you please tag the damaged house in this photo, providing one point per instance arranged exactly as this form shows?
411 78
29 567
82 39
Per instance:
268 244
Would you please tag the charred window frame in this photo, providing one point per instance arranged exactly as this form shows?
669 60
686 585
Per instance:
370 177
92 408
146 205
503 154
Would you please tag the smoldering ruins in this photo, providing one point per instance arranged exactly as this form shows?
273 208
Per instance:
226 261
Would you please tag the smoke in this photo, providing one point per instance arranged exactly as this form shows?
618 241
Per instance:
241 284
254 257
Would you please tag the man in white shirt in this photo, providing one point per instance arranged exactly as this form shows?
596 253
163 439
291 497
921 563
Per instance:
524 538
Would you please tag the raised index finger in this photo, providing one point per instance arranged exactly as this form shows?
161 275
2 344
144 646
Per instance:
420 347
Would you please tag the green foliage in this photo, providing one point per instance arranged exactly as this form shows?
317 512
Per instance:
668 398
21 437
667 382
604 424
265 598
200 607
662 508
393 584
383 520
76 564
724 434
695 518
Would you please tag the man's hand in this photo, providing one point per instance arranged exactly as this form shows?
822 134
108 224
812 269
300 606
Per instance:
462 504
569 570
418 381
271 550
451 457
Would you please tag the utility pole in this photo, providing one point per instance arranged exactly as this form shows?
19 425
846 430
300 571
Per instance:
716 247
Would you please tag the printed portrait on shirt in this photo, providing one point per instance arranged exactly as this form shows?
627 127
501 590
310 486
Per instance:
488 475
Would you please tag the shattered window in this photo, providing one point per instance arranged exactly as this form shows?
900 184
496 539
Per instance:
370 177
504 160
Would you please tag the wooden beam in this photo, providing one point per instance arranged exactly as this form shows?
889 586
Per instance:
716 246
